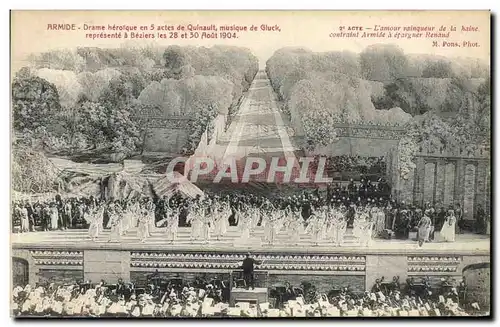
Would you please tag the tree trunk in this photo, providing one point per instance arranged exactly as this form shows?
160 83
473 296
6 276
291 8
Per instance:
143 145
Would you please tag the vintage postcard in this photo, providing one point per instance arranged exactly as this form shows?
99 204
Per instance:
279 164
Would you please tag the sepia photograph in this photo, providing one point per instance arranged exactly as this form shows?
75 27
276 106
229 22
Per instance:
250 164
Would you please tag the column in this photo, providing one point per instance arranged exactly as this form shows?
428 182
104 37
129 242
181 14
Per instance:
429 181
419 180
405 188
488 189
470 183
440 181
481 184
449 183
459 182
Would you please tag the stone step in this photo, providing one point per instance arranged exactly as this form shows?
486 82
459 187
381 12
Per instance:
160 234
180 230
185 236
254 241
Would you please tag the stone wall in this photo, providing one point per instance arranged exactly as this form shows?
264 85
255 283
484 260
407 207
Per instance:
107 265
358 146
478 280
20 272
33 269
446 180
325 270
402 189
171 134
51 265
166 134
165 140
362 140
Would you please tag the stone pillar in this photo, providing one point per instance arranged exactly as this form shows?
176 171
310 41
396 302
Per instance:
449 183
481 185
488 189
406 187
430 181
440 180
469 189
394 174
388 266
459 183
106 264
401 189
419 180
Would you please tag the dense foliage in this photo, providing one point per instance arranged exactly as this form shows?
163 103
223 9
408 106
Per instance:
35 100
32 172
443 103
203 122
321 90
91 99
433 134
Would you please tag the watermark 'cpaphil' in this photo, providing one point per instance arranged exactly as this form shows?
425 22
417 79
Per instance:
282 170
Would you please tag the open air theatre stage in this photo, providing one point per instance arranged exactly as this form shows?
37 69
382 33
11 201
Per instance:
71 254
79 240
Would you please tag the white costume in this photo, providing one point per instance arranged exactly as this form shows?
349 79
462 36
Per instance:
295 228
272 226
244 227
363 228
54 217
126 221
206 221
25 224
150 207
94 218
315 227
379 221
220 221
448 231
143 227
196 224
115 224
366 238
172 225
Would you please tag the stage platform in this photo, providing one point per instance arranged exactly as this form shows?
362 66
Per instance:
66 256
79 239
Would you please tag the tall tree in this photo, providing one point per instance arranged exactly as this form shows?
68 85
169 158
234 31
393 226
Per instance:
34 101
175 59
383 62
437 69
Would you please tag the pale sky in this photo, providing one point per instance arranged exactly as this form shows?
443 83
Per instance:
309 29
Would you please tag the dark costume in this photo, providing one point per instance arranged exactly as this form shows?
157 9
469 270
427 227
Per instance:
248 268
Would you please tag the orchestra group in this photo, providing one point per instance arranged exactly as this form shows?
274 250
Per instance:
204 298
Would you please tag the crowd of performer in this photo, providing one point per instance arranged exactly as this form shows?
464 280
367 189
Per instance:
324 217
206 298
